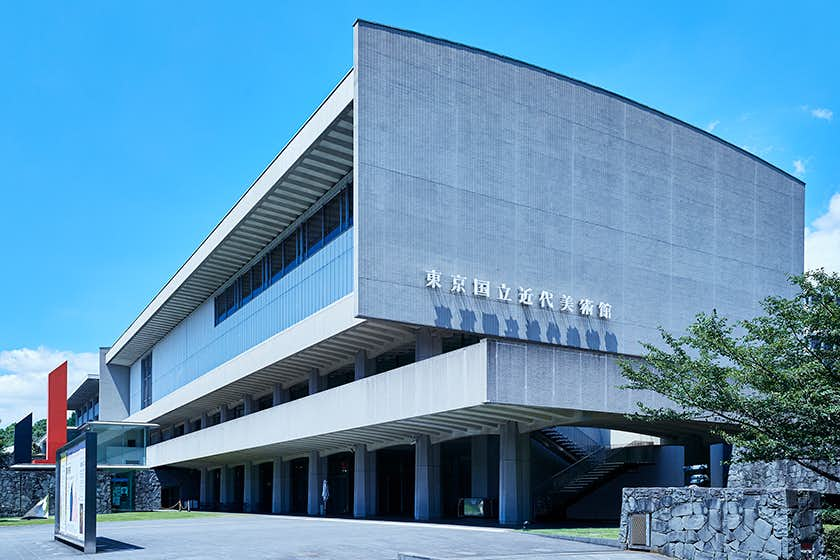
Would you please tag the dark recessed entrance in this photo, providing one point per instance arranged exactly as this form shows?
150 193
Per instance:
299 480
395 481
340 481
238 481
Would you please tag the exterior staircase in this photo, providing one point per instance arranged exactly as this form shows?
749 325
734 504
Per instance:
586 472
569 442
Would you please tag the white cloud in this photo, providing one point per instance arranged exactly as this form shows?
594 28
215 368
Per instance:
23 379
819 112
822 113
798 166
712 126
822 239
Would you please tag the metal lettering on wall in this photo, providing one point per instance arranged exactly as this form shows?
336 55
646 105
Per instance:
524 296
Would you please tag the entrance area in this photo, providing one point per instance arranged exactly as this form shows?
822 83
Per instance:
299 480
340 482
395 481
265 477
122 491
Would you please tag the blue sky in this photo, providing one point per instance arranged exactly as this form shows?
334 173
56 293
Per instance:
127 130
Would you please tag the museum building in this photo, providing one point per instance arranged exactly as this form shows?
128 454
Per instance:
424 296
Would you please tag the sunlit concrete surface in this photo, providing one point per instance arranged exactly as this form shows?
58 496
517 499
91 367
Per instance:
263 536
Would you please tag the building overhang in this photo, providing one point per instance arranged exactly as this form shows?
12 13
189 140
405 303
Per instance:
318 156
84 393
470 391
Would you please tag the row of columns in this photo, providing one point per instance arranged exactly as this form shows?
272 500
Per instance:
514 479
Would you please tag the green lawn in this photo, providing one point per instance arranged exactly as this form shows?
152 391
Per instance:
596 532
108 517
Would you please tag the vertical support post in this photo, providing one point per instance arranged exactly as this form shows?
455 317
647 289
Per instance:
204 422
250 487
314 488
428 345
514 482
202 488
360 365
278 486
426 479
224 487
314 381
360 481
371 484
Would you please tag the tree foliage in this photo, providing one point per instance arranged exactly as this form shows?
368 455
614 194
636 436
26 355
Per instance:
773 380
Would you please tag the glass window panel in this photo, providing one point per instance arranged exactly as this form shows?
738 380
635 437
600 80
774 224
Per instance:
276 260
314 231
332 216
290 250
257 276
246 284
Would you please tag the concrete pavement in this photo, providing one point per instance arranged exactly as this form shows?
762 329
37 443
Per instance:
238 537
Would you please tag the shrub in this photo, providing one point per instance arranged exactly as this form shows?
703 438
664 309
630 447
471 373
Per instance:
832 541
831 516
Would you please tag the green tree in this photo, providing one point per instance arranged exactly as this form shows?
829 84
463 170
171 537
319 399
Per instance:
773 381
7 437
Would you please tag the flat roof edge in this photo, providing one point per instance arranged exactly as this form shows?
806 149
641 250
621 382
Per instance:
175 282
599 89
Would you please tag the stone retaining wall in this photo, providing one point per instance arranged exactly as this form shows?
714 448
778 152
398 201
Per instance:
20 490
782 474
726 523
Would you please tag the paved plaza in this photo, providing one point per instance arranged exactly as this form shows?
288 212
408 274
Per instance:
236 537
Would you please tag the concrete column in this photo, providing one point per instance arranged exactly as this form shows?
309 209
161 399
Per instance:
428 345
514 475
360 365
360 481
314 381
250 404
224 413
314 489
203 485
426 479
279 488
479 467
204 422
250 490
719 456
524 476
187 425
372 507
280 395
225 495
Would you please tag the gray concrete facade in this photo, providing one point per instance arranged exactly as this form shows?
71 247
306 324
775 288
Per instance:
504 172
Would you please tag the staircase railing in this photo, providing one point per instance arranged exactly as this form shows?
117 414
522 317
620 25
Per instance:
578 437
635 454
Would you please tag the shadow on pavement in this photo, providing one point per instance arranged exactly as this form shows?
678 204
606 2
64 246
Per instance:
104 544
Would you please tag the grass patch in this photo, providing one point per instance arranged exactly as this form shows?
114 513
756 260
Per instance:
110 517
591 532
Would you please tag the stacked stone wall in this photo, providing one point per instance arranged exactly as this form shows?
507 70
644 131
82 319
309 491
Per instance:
782 474
147 496
20 490
727 524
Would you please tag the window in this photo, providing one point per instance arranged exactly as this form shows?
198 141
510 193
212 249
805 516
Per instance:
214 419
299 243
237 411
146 381
332 217
265 402
179 430
289 251
314 232
299 391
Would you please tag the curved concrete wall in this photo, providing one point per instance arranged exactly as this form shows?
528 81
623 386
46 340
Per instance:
469 163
